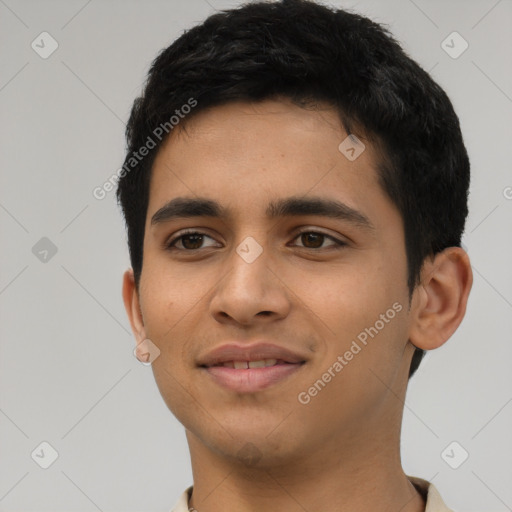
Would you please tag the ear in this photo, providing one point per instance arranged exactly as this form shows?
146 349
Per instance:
439 301
132 305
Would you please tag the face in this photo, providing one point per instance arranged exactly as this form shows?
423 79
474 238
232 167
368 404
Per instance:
329 289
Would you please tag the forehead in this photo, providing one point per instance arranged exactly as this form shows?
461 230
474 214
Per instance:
243 154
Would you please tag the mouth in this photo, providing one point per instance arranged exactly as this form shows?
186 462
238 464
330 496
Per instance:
251 376
245 365
250 367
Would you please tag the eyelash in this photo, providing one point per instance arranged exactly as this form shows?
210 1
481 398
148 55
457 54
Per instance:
171 244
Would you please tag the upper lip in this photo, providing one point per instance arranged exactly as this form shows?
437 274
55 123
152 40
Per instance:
244 352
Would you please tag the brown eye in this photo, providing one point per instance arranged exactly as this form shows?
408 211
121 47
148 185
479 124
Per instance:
191 241
315 240
312 240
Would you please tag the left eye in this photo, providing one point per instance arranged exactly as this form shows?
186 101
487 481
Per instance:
315 238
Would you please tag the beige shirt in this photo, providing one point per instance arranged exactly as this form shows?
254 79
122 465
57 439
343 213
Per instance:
429 492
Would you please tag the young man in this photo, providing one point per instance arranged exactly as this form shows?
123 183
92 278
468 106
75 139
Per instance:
295 190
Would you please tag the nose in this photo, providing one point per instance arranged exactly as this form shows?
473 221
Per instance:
250 291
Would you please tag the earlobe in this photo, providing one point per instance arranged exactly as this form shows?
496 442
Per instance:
441 298
132 305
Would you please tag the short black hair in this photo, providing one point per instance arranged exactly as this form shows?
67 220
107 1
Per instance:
307 52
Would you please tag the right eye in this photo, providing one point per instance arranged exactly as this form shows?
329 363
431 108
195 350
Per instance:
189 240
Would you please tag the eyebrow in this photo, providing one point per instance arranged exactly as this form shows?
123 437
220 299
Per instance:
182 207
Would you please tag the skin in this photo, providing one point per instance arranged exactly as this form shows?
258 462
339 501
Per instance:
340 451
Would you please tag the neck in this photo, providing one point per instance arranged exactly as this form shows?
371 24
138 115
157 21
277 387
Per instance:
330 479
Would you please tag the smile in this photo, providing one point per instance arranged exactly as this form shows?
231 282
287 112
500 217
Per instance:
251 376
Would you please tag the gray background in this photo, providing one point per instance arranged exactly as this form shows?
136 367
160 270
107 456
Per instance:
68 375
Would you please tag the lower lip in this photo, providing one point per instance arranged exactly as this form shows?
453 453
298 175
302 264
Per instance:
252 379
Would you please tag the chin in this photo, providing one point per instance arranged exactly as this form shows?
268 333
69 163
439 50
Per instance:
262 448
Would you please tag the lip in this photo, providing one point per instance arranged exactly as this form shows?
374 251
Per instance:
242 352
250 379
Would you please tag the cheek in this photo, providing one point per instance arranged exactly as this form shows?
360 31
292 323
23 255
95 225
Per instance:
348 297
362 313
371 352
167 291
164 307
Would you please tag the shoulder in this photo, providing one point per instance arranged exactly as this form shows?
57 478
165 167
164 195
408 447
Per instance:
434 502
182 503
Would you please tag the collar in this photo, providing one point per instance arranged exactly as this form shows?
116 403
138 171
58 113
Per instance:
434 502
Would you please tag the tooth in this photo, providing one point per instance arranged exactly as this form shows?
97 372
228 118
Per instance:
257 364
238 365
228 364
270 362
